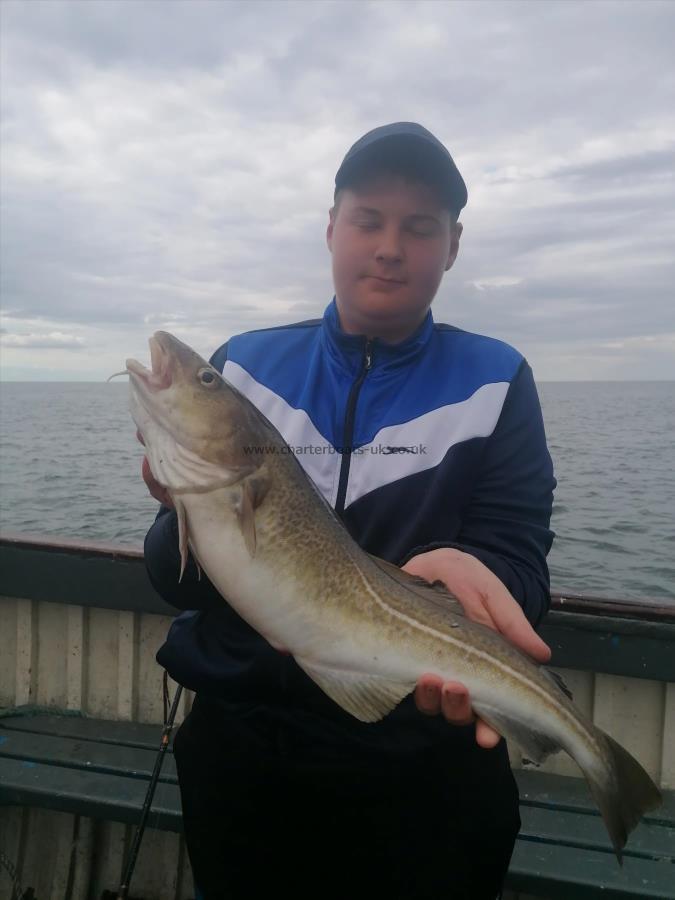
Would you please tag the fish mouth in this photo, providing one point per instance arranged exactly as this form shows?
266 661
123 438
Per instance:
158 377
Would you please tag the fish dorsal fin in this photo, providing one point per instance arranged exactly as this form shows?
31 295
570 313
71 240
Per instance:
252 493
535 744
558 680
436 593
366 697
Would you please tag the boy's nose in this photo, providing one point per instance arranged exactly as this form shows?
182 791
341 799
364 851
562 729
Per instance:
389 248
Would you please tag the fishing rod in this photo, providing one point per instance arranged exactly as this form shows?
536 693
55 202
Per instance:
10 868
123 890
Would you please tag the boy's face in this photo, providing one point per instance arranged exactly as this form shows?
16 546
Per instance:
391 242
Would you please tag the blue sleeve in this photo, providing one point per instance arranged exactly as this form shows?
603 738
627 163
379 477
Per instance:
506 523
162 557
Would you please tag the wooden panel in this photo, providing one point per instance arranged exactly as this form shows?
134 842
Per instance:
101 657
186 889
127 665
76 641
26 652
56 853
83 859
111 840
46 861
152 633
7 651
631 711
11 842
52 636
668 745
156 874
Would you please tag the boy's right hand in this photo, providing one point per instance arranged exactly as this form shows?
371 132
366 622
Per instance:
156 489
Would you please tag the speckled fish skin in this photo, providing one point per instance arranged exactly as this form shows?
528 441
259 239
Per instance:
361 628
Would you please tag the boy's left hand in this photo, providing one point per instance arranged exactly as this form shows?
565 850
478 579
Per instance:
484 599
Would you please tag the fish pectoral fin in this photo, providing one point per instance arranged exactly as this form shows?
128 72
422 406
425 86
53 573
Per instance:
366 697
535 745
257 485
182 536
252 493
246 518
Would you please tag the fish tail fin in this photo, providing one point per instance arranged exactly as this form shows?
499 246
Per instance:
624 794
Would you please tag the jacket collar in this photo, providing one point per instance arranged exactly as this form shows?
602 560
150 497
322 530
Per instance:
347 350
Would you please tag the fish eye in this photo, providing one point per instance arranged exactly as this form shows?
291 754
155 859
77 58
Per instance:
207 376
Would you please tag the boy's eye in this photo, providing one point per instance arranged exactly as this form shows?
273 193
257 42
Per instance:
422 229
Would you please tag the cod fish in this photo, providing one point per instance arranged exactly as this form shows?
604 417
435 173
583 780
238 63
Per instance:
360 627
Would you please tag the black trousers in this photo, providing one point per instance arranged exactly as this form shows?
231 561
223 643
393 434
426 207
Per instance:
265 816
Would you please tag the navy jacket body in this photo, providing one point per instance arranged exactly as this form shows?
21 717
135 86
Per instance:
437 441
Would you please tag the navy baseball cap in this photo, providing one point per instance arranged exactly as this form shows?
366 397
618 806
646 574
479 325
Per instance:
409 145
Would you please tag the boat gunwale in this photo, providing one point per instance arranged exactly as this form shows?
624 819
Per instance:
649 609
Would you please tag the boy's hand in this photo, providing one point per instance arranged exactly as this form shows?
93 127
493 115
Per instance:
156 489
484 599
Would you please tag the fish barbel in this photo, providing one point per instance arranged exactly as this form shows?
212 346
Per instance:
361 628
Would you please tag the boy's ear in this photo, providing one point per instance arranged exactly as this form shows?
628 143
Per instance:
455 235
329 230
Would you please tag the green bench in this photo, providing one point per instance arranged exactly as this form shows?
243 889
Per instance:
90 767
563 850
101 769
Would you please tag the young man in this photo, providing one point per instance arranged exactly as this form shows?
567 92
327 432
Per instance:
428 441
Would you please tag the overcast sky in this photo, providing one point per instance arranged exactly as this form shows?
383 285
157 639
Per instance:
170 165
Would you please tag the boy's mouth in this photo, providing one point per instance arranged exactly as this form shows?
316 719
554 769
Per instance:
385 280
383 285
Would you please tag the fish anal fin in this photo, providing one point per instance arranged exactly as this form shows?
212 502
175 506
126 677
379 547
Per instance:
536 745
367 697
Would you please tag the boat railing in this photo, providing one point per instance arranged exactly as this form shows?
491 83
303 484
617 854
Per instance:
80 625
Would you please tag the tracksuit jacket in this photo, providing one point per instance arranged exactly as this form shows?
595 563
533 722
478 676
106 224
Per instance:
437 441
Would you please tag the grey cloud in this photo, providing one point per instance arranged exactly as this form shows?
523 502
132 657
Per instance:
643 167
172 164
182 34
48 341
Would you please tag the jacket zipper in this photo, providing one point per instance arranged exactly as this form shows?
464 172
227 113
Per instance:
348 433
